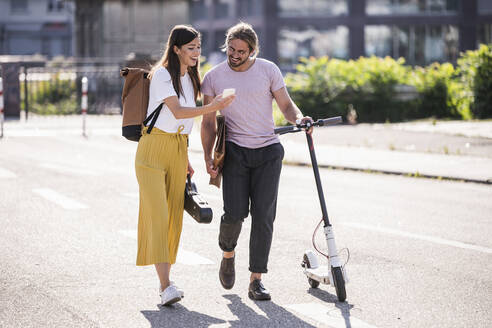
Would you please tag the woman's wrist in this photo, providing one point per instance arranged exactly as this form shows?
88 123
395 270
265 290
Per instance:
212 107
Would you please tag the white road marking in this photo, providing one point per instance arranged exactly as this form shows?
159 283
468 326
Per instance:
129 233
130 194
210 196
6 174
184 256
436 240
68 169
333 317
190 258
59 199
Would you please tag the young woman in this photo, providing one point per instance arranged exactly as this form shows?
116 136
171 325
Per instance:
161 161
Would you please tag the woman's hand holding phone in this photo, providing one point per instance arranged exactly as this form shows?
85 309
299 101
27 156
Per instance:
222 101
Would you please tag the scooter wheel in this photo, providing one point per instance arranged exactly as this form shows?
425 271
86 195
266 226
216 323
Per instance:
313 283
339 283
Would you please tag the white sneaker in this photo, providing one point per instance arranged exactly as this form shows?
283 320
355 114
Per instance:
173 284
179 289
170 295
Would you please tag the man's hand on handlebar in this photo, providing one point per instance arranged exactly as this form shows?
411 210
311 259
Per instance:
305 120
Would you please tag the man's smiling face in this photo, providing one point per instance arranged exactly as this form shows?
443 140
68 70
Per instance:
238 53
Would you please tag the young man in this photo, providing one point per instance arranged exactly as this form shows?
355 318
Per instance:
254 154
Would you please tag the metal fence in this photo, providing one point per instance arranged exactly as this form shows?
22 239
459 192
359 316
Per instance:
57 90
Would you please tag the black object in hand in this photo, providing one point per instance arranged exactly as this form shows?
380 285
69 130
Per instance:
196 206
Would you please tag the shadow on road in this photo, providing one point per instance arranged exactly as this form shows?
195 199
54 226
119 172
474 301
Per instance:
344 307
276 316
323 295
179 316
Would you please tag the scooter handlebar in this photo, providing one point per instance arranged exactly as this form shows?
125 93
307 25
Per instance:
329 121
286 129
299 127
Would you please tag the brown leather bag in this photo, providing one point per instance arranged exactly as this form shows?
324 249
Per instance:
219 151
135 99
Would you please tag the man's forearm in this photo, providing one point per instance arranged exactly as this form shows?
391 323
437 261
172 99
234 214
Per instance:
292 113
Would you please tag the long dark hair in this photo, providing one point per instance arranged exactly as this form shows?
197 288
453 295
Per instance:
179 36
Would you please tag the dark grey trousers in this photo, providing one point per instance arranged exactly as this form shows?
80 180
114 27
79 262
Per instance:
250 175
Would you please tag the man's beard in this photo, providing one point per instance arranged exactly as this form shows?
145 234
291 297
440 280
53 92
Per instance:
238 63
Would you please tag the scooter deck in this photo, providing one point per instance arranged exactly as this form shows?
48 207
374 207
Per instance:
320 274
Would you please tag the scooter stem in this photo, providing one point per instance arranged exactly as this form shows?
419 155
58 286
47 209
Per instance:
332 247
314 163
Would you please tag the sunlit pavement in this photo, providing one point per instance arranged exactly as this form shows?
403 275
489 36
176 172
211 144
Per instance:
420 249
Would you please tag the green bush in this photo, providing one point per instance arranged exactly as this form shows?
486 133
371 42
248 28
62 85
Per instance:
278 117
310 87
54 96
377 101
324 87
437 90
63 107
475 69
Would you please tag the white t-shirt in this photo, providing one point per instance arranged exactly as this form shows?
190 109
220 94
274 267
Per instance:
161 87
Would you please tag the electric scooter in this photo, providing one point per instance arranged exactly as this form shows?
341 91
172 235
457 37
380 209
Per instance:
334 274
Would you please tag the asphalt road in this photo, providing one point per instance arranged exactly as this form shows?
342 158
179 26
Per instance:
420 250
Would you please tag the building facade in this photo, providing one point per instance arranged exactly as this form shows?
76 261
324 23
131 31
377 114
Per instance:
29 27
116 28
421 31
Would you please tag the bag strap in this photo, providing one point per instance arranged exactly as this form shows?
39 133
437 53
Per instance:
153 116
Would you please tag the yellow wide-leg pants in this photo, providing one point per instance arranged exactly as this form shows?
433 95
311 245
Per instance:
161 164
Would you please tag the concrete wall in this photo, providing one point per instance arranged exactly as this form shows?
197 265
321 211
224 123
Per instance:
137 26
36 30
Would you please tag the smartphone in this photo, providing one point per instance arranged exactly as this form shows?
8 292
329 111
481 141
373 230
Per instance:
228 92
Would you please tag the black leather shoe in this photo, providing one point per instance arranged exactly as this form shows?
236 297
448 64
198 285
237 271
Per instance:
257 291
227 274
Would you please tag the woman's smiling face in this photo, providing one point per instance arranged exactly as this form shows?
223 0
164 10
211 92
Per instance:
189 53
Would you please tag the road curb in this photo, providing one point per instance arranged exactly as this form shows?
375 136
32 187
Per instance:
400 173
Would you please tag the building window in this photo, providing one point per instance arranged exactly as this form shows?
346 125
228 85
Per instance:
419 45
411 7
295 8
484 34
484 7
204 40
378 41
224 8
305 42
250 8
55 5
198 10
219 38
18 6
24 45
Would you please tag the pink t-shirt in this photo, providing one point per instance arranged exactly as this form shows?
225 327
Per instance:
249 119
